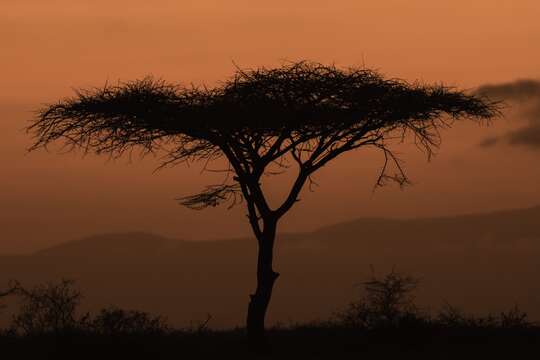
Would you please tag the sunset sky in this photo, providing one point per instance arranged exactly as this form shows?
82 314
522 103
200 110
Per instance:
50 47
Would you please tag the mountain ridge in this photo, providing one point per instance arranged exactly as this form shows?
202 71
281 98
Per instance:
480 263
154 242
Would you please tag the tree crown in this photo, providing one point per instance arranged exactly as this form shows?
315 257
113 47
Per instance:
310 111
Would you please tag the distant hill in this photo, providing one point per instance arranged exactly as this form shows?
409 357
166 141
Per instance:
482 262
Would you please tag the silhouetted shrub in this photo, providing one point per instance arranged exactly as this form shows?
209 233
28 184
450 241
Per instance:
387 302
452 317
115 321
514 318
52 308
47 308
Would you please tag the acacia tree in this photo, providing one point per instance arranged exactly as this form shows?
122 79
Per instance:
303 112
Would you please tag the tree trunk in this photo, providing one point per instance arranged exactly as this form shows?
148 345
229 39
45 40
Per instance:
265 282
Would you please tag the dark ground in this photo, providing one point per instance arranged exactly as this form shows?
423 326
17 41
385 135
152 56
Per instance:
305 342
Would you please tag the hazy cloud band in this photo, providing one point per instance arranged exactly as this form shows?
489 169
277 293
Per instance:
526 92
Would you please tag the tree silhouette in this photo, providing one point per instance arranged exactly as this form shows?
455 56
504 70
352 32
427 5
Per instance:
47 308
302 113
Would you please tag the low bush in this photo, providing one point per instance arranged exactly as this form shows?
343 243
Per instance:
116 321
388 302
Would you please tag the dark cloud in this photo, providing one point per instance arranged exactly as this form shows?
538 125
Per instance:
526 136
490 141
525 89
526 93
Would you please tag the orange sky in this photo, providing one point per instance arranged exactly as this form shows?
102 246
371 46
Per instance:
48 47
